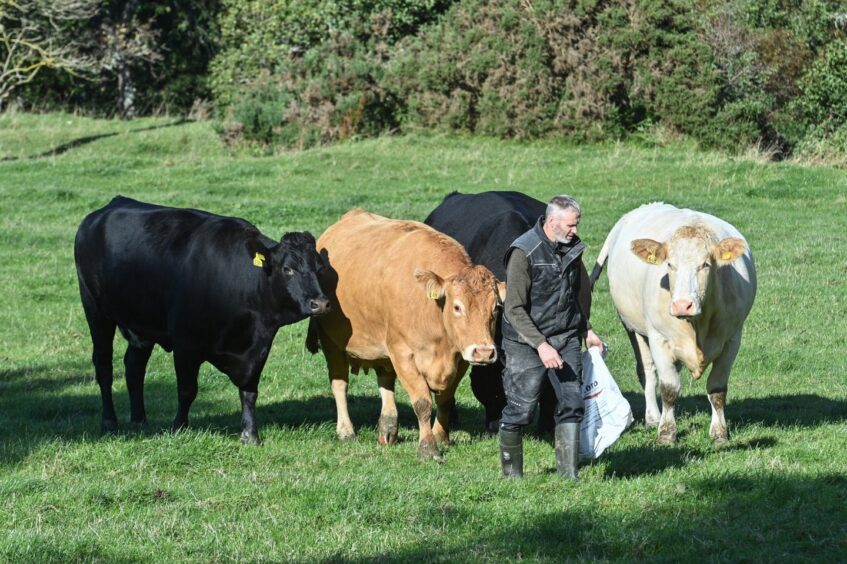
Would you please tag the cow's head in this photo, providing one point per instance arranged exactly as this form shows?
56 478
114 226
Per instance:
469 302
690 257
294 266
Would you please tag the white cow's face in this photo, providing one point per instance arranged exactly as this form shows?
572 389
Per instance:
690 257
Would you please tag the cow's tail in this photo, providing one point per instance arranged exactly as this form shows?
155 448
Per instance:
601 261
313 343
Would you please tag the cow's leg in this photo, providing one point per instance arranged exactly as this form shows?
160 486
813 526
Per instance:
646 371
339 377
388 416
135 367
102 338
716 386
186 365
668 385
443 400
487 387
249 430
415 385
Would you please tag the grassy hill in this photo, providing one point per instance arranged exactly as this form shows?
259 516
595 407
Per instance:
777 491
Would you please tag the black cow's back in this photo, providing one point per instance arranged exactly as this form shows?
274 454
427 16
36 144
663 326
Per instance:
144 264
486 223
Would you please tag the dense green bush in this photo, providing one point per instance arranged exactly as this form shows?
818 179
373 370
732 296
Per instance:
300 73
728 74
580 69
331 92
823 99
484 68
262 35
816 120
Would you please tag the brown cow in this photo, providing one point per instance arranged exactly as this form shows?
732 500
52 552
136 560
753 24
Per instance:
409 303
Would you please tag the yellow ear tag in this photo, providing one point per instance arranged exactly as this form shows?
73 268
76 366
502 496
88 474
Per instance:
259 260
433 295
652 259
726 256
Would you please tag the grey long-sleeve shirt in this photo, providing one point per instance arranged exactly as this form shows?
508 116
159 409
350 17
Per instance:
518 283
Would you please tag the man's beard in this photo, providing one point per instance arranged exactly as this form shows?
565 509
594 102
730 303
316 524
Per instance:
562 237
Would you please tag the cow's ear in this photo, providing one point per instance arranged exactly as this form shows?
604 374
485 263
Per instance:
728 250
432 283
259 256
501 292
650 251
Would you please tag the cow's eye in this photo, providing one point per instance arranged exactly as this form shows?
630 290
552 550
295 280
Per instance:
705 265
671 267
288 270
457 308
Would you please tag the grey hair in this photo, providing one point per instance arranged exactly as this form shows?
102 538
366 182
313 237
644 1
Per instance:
561 204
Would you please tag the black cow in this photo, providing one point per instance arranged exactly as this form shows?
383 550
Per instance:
207 287
486 224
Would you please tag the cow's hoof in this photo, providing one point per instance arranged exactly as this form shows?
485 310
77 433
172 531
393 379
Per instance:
443 439
139 425
492 427
179 425
651 421
429 450
387 440
109 426
248 439
345 435
387 429
667 436
720 439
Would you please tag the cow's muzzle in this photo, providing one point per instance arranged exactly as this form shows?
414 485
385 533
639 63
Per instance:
480 354
685 309
319 306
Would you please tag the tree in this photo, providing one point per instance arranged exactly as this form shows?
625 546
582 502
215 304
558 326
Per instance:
37 35
125 41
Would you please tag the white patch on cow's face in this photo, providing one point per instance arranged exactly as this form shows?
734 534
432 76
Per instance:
689 263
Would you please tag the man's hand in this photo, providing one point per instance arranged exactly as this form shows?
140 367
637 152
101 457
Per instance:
549 356
592 340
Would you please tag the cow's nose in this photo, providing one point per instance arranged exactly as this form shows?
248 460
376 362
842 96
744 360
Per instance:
318 307
683 308
484 354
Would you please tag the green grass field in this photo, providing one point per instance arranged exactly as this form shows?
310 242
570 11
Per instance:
776 492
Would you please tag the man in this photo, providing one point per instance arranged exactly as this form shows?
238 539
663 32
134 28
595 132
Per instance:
548 300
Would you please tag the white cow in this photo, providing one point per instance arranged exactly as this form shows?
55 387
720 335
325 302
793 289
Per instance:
683 283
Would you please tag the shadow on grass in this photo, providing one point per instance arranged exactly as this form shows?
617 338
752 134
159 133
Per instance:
732 518
65 147
44 403
653 458
805 410
729 518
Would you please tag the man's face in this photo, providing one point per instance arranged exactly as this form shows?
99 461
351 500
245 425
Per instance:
564 225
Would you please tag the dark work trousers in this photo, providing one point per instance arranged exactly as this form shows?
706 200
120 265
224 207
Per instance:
524 377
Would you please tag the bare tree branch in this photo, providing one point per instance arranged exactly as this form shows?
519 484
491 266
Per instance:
34 36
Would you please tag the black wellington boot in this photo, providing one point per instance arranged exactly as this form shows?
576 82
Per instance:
567 450
511 453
